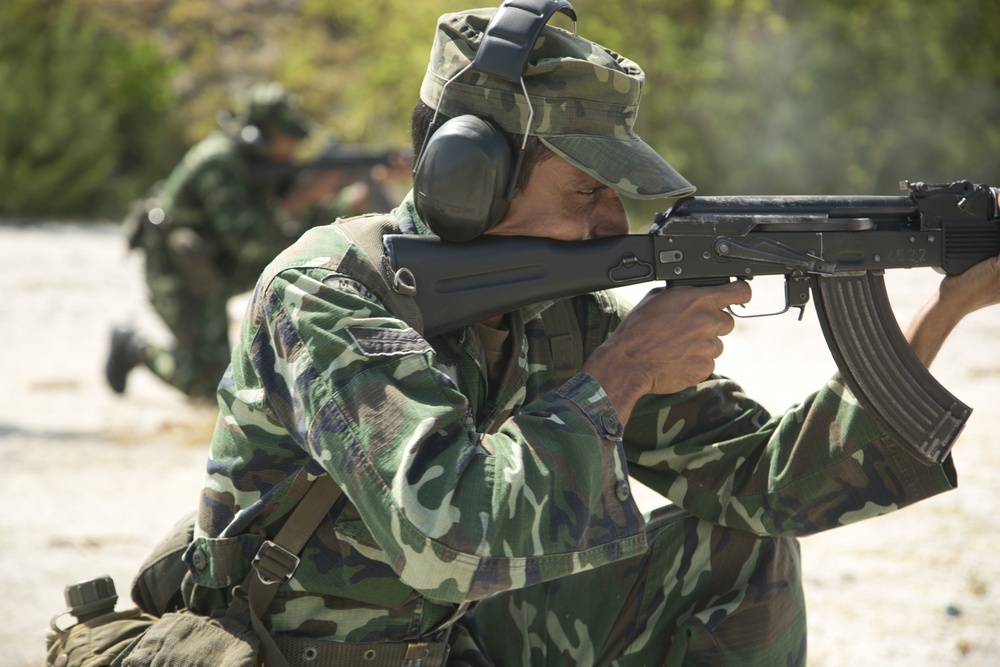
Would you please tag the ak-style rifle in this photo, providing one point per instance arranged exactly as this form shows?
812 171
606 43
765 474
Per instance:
834 247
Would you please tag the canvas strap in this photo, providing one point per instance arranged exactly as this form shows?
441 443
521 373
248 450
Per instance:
275 563
277 560
366 233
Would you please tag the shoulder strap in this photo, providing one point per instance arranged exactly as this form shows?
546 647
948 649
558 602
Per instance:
277 560
565 339
366 233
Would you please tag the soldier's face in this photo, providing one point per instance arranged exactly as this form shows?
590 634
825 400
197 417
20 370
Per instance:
564 203
282 146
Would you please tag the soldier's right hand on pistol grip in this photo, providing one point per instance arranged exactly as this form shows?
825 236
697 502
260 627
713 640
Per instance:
669 342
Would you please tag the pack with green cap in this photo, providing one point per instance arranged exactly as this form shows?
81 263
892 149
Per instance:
160 632
99 633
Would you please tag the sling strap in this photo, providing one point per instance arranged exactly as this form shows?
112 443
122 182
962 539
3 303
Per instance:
366 233
275 563
277 559
565 339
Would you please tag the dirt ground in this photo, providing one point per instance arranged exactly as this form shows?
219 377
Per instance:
91 480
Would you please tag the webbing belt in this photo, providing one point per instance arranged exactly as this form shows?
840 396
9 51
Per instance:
304 652
276 562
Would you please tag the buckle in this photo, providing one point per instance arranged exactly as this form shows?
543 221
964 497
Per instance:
274 563
416 652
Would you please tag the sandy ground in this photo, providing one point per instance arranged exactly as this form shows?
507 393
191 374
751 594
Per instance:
92 480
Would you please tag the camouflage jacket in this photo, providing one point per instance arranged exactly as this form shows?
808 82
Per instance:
458 490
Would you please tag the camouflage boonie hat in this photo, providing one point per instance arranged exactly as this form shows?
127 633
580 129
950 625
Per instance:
585 99
269 104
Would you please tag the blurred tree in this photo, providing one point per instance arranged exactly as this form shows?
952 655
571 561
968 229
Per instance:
754 96
84 115
812 96
834 96
386 43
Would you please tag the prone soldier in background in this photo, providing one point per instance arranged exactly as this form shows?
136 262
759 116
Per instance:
211 227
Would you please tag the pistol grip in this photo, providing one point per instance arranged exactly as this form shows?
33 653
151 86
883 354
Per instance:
882 371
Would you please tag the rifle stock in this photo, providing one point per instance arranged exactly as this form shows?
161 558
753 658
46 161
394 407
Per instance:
461 283
836 248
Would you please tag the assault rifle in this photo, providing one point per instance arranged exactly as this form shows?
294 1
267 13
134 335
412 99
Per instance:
354 161
835 247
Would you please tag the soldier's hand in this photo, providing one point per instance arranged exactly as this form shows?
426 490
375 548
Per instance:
669 342
978 287
956 297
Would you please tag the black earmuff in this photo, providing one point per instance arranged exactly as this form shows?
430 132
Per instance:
466 173
461 179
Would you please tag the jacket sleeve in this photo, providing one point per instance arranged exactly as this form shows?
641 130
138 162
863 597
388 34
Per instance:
821 464
457 514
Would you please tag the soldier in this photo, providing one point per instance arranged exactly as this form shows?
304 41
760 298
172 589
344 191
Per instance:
485 488
209 231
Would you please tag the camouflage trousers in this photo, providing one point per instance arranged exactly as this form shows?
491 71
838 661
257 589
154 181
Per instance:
200 354
700 596
189 289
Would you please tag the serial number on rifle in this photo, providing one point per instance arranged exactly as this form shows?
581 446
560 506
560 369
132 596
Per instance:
908 256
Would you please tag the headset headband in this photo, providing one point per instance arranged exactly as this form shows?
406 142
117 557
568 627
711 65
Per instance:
512 33
504 51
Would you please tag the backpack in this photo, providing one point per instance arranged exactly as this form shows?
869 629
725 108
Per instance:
160 632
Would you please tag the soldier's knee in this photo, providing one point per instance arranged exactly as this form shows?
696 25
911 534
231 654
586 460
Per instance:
761 620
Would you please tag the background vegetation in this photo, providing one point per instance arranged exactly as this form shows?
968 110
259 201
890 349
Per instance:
100 97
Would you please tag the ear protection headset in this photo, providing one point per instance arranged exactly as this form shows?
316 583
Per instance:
248 134
264 105
466 173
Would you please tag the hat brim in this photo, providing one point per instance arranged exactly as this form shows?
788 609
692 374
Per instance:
630 166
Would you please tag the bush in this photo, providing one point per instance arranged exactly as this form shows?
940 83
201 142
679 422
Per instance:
85 115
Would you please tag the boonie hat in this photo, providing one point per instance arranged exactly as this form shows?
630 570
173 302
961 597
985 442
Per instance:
585 99
270 104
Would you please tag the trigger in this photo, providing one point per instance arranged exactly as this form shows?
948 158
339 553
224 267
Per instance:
797 292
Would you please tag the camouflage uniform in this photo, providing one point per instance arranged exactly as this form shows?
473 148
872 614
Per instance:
216 236
219 229
506 505
517 494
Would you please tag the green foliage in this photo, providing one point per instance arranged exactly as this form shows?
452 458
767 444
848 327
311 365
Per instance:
842 97
387 42
78 110
752 96
815 96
